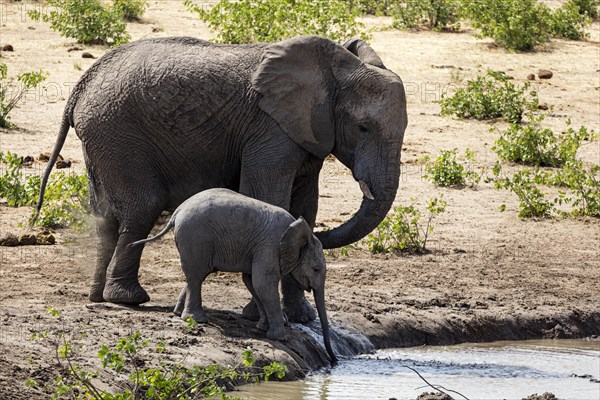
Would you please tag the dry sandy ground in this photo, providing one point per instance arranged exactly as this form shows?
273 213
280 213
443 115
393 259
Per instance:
489 275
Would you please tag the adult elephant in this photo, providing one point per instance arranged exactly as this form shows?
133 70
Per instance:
162 119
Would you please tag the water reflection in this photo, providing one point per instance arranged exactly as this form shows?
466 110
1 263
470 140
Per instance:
504 370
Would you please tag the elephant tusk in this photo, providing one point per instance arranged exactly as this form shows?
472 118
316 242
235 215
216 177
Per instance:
365 189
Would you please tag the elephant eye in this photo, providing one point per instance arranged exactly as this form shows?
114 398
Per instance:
363 128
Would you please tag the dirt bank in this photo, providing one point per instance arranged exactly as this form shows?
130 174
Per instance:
489 276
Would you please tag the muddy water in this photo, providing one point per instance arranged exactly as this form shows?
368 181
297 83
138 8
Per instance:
503 370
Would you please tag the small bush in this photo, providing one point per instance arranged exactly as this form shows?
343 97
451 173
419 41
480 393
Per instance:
490 96
124 360
447 169
402 230
436 14
131 9
532 145
569 23
66 201
518 25
250 21
12 89
587 7
373 7
87 21
532 201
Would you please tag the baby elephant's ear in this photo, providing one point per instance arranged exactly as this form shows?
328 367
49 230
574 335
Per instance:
293 240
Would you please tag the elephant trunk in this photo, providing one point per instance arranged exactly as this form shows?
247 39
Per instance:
374 207
320 303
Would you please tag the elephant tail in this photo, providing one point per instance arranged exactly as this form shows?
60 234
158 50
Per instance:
65 125
160 234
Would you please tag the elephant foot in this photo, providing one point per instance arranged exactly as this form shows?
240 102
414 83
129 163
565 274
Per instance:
132 293
277 333
250 311
263 325
96 294
197 315
302 312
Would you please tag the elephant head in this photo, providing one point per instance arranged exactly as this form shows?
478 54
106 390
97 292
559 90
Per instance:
301 255
338 99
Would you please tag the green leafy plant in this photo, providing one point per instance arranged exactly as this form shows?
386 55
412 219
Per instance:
533 145
448 170
126 359
403 231
492 95
569 22
250 21
66 200
436 14
87 21
373 7
587 7
131 10
518 25
12 89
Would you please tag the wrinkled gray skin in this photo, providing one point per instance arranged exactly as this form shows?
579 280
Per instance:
162 119
221 230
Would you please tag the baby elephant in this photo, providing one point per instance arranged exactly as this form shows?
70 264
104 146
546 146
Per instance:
221 230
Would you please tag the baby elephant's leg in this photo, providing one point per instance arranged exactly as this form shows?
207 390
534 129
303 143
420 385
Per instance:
267 291
263 322
195 271
180 302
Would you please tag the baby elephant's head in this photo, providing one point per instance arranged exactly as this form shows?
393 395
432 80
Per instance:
301 255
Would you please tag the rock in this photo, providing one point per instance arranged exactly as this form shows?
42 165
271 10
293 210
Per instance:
531 77
74 48
9 240
545 396
543 106
27 239
27 161
63 164
45 238
545 74
87 55
434 396
8 47
45 157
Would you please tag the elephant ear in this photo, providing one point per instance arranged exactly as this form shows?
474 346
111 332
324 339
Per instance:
293 241
364 52
297 83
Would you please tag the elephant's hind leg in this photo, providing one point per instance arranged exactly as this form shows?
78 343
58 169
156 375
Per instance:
107 229
196 269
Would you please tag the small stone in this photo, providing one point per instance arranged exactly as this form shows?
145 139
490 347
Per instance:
9 240
543 106
63 164
45 157
531 77
87 55
8 47
27 239
545 74
27 161
74 48
45 238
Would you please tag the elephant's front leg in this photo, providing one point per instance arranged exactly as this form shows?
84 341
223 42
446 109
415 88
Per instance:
304 203
266 287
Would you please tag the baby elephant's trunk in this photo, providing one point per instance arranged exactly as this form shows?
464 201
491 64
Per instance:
320 303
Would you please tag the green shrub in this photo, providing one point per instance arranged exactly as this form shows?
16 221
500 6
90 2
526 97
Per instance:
402 230
587 7
569 23
532 145
124 360
250 21
373 7
12 89
448 170
87 21
518 25
437 14
66 201
532 201
131 9
490 96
